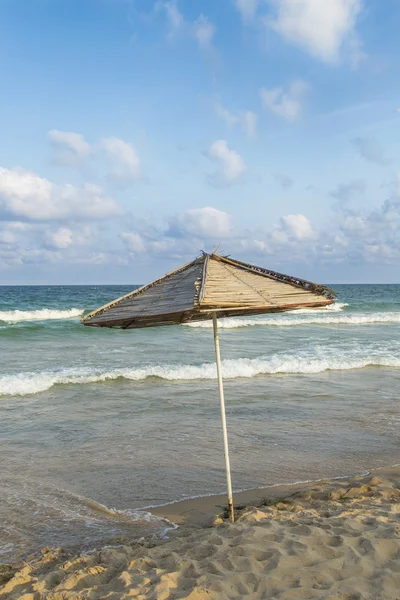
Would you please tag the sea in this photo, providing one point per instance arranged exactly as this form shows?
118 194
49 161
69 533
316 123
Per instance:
98 425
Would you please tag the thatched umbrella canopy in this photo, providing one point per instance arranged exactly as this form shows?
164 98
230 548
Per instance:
205 288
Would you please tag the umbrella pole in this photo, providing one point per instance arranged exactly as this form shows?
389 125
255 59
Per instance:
223 417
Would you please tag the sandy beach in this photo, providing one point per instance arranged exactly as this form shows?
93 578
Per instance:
337 540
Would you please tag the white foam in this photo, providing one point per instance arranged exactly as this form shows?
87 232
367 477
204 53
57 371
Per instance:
42 314
317 361
137 514
336 307
293 320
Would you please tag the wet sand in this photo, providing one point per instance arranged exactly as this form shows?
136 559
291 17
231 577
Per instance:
337 540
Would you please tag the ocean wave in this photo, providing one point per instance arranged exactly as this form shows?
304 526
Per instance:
23 384
336 307
49 314
293 320
42 314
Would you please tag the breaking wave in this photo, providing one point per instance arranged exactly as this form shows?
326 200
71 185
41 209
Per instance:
336 307
22 384
42 314
305 319
49 314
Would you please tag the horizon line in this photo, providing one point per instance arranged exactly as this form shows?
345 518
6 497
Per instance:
141 284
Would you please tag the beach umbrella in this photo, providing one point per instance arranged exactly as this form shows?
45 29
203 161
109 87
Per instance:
210 286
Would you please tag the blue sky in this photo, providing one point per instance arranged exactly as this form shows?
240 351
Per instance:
136 133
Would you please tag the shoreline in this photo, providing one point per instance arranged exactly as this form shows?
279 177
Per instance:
203 509
334 539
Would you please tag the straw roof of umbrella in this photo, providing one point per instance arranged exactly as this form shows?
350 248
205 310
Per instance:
210 284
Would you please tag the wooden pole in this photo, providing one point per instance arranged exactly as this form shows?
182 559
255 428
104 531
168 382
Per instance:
223 417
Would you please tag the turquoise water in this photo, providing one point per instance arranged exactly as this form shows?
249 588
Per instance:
97 424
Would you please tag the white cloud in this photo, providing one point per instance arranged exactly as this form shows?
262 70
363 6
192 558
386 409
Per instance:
299 227
278 237
38 243
349 237
320 27
134 242
200 223
371 150
225 114
373 236
287 104
19 226
247 9
7 237
231 164
354 225
62 238
246 119
203 31
294 237
175 18
76 234
24 195
184 234
69 148
125 163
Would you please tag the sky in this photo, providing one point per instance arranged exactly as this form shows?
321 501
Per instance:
136 133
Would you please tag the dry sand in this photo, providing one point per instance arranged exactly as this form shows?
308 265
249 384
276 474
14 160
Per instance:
335 540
